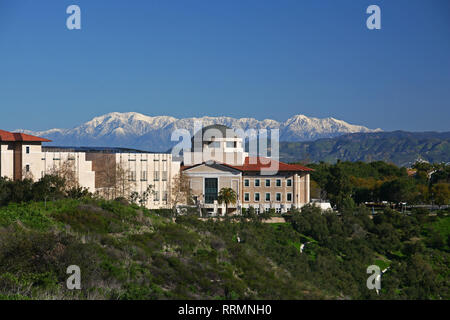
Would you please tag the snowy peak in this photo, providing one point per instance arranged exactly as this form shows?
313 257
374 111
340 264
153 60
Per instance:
301 128
136 130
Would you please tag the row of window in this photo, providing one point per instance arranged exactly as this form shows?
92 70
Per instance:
156 196
257 198
258 211
156 177
144 160
257 182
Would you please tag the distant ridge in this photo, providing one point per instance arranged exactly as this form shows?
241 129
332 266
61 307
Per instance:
139 131
399 147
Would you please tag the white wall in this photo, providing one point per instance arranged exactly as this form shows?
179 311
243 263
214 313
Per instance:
160 171
6 161
83 168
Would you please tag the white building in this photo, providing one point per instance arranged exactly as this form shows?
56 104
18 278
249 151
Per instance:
23 156
217 160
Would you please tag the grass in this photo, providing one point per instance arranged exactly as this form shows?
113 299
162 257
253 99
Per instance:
383 264
442 226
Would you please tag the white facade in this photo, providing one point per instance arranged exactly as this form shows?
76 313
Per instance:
155 169
50 161
218 160
215 143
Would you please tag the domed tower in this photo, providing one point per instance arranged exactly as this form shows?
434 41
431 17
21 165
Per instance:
216 143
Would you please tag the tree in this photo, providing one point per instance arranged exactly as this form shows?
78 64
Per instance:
133 198
115 180
180 191
441 192
398 190
145 195
66 171
227 196
124 182
338 185
50 186
27 174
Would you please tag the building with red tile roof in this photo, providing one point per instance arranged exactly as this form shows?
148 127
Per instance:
262 183
7 136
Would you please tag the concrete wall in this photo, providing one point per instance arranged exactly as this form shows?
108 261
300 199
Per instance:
6 160
51 161
298 191
281 205
155 169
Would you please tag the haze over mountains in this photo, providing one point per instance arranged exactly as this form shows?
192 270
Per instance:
136 130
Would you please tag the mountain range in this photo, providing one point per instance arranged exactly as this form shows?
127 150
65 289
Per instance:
153 133
398 147
302 138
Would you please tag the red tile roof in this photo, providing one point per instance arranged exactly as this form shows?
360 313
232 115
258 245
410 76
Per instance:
258 163
254 164
17 136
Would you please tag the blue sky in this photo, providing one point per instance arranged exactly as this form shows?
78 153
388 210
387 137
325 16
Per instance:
240 58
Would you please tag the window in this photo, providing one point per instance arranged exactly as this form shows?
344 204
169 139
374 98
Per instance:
214 145
156 177
257 210
211 186
144 176
246 196
27 150
267 196
231 144
278 196
256 182
132 176
156 197
278 210
27 168
289 196
164 197
164 176
267 209
289 182
256 196
246 182
278 182
267 182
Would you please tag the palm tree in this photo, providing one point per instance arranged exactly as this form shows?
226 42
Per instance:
227 195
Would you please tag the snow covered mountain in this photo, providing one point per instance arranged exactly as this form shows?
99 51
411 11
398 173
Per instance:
135 130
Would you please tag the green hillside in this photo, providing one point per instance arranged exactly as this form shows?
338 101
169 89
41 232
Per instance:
127 252
401 148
